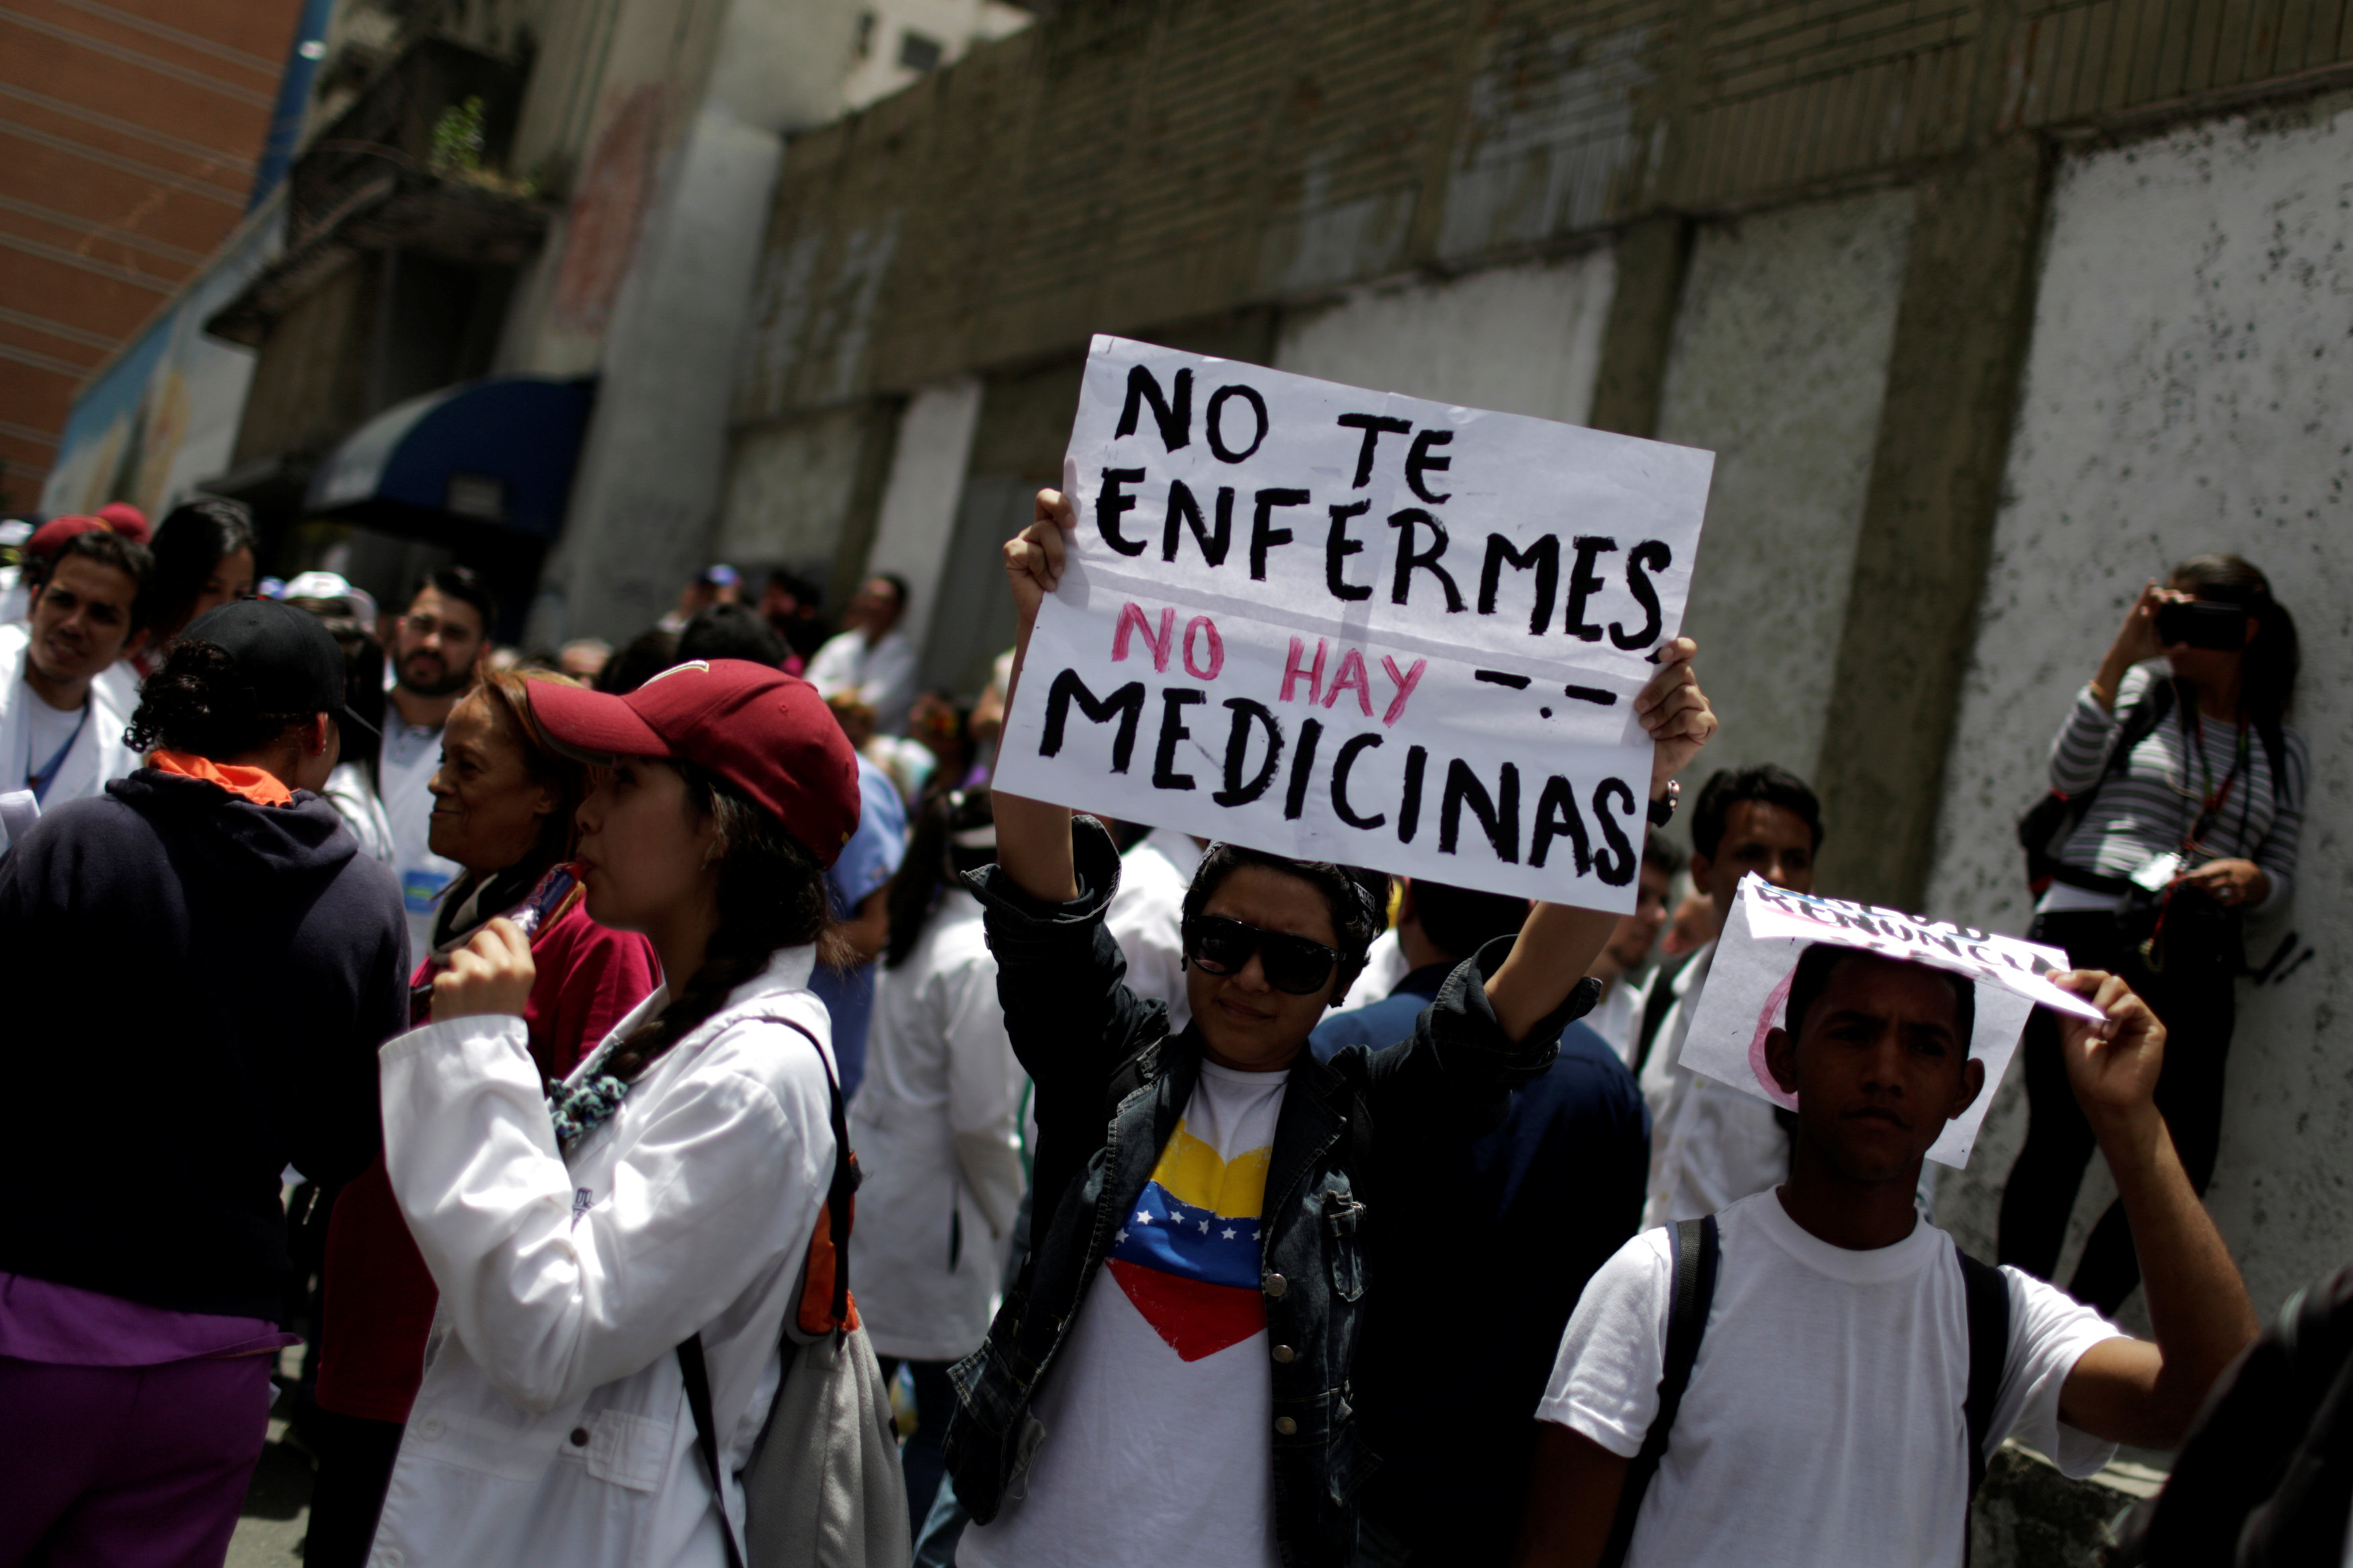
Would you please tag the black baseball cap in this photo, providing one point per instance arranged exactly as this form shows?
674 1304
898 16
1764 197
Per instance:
285 655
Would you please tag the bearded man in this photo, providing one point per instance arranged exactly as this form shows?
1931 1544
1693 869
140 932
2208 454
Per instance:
436 647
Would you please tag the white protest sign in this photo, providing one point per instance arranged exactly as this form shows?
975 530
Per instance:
1352 626
1748 981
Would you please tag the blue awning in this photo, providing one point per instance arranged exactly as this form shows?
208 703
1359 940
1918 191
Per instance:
499 451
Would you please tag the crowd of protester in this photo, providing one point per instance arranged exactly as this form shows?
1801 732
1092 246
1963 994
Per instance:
1217 1207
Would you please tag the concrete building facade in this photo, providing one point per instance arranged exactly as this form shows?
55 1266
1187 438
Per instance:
1990 309
491 191
504 195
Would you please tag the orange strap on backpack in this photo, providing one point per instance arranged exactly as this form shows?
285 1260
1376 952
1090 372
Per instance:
826 1306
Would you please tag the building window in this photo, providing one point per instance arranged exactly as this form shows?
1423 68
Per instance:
919 53
865 34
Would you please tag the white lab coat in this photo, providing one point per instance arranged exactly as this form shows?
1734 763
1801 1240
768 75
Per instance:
881 675
98 753
551 1427
937 1128
1617 1017
1711 1145
1147 914
1385 965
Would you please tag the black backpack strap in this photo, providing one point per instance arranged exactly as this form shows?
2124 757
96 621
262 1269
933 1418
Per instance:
698 1399
696 1371
1692 1292
1986 1294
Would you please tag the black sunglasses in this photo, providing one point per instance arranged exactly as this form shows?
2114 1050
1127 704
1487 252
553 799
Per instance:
1293 963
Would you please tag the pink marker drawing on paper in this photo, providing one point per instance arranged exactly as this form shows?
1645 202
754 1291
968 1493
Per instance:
1767 1020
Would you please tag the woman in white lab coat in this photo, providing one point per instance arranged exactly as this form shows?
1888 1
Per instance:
670 1188
937 1126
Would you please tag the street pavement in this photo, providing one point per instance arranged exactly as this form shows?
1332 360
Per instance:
277 1503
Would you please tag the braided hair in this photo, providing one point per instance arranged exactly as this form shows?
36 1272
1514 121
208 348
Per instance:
198 702
772 895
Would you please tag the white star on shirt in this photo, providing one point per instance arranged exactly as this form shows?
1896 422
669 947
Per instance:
1142 1217
1228 1233
1205 1228
1122 1235
1253 1235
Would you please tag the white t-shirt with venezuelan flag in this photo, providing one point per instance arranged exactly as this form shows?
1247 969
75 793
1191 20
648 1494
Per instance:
1157 1410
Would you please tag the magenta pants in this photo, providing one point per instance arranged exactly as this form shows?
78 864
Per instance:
142 1466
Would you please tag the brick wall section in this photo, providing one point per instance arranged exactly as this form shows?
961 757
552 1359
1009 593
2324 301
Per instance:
1126 166
129 130
2084 60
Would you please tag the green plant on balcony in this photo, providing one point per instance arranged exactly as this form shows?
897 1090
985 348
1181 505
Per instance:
456 144
456 152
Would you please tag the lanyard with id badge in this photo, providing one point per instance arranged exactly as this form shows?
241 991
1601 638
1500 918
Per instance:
2148 903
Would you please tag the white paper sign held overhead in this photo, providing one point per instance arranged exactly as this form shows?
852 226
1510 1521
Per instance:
1756 957
1352 626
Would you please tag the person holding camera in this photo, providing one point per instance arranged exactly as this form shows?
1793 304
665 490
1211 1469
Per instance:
2186 789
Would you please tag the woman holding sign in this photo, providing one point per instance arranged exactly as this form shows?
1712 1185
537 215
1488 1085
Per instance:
1207 1227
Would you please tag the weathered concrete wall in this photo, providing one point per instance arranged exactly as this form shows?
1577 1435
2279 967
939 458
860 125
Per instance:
1524 339
1118 167
790 489
1017 442
2186 391
921 494
676 194
1928 518
646 495
1778 364
2028 1515
615 93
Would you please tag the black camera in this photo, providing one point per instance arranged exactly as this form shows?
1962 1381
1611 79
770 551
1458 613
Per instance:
2199 623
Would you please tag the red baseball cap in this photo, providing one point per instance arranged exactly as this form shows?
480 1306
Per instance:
125 519
766 732
51 536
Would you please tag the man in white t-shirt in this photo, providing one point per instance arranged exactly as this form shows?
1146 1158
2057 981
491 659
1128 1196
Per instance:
1824 1420
1148 910
1711 1145
871 658
436 647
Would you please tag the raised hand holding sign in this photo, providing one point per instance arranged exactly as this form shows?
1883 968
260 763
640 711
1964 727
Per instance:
1354 627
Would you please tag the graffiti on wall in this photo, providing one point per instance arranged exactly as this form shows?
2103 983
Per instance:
601 230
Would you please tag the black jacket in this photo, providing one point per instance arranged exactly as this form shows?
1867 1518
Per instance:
1528 1213
1084 1038
194 988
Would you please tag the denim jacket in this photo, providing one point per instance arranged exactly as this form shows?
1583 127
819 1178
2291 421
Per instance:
1073 1022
